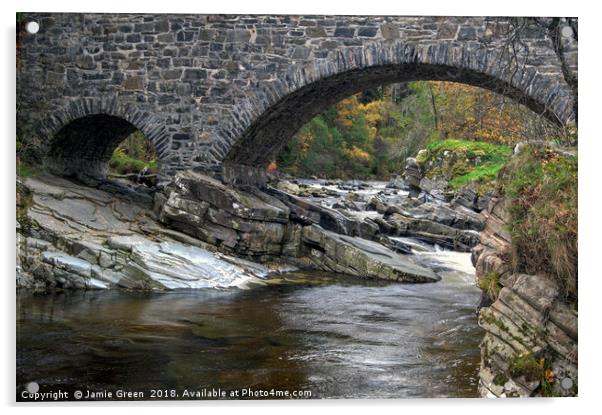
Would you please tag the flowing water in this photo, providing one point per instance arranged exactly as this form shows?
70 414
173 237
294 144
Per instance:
336 337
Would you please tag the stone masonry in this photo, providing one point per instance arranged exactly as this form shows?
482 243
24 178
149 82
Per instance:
219 90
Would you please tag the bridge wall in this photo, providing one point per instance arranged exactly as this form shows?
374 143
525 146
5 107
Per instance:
205 89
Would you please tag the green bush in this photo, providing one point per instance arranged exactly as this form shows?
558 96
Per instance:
134 155
534 369
528 366
490 283
541 185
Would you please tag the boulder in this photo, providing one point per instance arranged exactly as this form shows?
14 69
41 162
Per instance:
398 183
470 199
433 232
412 173
247 222
308 212
361 257
458 217
437 188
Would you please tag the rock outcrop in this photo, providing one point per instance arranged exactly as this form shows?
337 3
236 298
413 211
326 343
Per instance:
389 213
270 224
452 227
492 254
72 236
430 173
412 173
250 223
530 342
361 257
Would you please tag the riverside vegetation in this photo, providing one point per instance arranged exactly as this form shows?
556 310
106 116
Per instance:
526 265
370 135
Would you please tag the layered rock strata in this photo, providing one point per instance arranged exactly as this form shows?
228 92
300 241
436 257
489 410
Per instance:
71 236
530 342
269 224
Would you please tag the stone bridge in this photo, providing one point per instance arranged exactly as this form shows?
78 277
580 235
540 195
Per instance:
211 91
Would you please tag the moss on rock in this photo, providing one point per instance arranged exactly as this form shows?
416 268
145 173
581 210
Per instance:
464 162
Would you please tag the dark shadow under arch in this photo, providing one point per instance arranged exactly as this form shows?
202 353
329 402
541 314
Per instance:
267 135
83 147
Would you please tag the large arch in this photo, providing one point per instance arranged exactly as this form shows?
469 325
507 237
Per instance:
271 115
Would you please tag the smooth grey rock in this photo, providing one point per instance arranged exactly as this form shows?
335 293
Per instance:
172 265
75 255
69 263
356 256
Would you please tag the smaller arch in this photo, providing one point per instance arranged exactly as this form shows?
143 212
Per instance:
83 134
84 147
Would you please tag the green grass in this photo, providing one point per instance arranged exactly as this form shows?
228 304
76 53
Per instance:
480 174
541 185
490 283
133 155
485 160
487 151
121 163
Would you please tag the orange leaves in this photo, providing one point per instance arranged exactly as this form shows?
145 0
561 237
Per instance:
374 112
548 374
272 167
347 110
474 113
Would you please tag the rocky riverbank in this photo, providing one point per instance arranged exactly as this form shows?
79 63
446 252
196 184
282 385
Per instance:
530 342
347 227
76 236
73 236
269 224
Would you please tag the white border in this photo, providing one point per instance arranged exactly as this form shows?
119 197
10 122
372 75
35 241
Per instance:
590 166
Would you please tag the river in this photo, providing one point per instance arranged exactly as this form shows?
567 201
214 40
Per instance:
334 336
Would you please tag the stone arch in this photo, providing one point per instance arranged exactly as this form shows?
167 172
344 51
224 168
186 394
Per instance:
84 135
274 110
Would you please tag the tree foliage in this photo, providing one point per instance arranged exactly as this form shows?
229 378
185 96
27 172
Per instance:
369 135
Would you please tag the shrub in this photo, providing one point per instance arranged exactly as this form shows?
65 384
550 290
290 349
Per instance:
490 283
133 156
528 366
541 185
534 368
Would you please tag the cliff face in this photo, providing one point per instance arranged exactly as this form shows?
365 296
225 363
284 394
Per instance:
530 342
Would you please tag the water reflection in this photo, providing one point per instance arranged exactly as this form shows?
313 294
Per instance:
336 336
